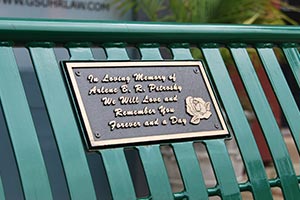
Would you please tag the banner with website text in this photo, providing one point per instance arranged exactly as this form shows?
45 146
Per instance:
61 9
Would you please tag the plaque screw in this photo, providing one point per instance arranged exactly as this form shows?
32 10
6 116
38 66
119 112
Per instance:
217 126
98 135
196 71
78 73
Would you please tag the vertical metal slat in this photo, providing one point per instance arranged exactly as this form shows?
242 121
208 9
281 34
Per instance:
116 51
151 157
63 123
271 131
220 160
80 53
155 171
293 58
282 91
241 129
118 174
2 195
22 132
114 160
192 177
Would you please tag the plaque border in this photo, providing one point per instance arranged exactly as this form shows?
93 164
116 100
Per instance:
82 114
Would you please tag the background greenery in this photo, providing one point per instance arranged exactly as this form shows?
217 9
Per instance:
214 11
210 11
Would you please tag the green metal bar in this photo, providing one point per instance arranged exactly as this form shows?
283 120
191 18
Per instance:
150 51
193 180
268 124
184 152
293 58
22 132
241 129
155 170
80 53
118 174
24 30
282 91
114 160
156 173
220 160
63 123
2 195
181 51
151 158
116 51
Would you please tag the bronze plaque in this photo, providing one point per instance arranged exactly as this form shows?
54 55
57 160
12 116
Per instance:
126 102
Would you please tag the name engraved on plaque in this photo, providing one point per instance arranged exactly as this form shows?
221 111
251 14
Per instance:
122 103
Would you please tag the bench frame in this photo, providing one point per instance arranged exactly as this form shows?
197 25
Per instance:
41 36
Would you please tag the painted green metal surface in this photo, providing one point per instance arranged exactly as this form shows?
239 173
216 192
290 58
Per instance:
282 90
119 177
293 58
181 51
63 123
121 185
155 172
220 160
80 36
2 195
151 156
241 129
80 53
278 150
22 132
116 51
194 185
150 51
81 31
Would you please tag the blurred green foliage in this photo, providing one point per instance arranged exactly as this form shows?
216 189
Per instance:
209 11
214 11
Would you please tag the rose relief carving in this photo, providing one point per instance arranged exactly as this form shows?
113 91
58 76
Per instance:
198 109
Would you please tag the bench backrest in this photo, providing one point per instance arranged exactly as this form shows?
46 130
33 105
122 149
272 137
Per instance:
77 167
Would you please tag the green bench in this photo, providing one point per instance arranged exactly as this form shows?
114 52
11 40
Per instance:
78 168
